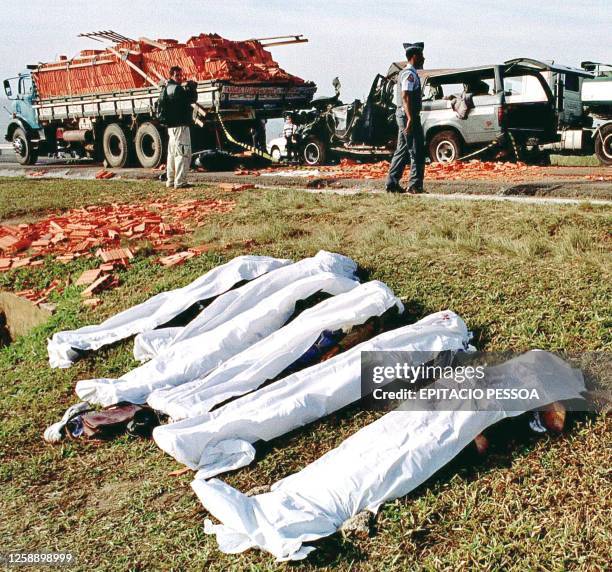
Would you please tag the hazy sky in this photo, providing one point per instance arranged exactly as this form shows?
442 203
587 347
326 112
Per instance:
353 40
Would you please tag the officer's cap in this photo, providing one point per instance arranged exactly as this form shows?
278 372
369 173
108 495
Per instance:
412 48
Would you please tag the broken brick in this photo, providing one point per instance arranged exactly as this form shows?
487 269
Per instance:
7 242
21 262
88 277
101 283
114 254
91 302
175 259
197 250
235 187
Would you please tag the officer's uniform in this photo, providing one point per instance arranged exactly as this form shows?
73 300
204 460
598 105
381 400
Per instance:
410 147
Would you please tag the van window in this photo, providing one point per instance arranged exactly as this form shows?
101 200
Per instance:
572 82
523 88
475 86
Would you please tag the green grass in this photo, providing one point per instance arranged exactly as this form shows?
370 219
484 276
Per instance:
520 276
570 161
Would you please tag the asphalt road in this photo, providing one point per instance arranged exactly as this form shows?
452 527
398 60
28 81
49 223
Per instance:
560 185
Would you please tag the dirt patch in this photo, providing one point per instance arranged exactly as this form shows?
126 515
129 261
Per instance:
18 316
112 497
529 190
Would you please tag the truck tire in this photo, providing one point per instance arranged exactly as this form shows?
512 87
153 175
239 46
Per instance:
445 147
314 152
117 145
26 154
149 145
603 145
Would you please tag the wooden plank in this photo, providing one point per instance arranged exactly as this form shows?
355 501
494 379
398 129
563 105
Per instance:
153 43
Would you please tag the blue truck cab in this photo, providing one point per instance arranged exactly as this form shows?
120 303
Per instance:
24 130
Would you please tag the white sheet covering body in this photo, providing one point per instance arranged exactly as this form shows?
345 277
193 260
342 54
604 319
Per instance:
222 440
157 310
195 357
241 299
383 461
264 360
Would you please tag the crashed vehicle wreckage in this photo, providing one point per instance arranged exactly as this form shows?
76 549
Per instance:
507 107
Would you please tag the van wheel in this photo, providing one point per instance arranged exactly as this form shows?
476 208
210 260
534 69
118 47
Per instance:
26 154
314 152
117 145
445 147
603 145
149 145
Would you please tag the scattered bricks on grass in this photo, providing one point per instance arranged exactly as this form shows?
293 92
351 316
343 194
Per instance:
76 232
91 302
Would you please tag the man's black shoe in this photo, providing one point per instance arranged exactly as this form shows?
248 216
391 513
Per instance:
395 189
416 190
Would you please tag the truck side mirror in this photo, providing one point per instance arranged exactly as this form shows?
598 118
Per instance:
7 88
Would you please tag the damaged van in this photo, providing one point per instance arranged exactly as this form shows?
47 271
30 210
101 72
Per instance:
467 111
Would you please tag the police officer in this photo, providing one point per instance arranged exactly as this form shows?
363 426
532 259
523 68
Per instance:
410 138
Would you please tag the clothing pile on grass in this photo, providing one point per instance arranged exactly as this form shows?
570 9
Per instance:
260 346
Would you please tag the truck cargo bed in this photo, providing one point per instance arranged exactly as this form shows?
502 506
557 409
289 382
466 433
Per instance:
213 95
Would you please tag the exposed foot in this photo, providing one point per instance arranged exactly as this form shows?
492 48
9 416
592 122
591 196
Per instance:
481 443
359 525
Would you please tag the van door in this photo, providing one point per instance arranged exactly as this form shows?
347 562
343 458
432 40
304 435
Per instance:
529 111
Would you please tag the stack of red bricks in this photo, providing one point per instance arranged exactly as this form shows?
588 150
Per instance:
203 57
93 71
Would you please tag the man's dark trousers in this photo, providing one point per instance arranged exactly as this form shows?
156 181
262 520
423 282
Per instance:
409 148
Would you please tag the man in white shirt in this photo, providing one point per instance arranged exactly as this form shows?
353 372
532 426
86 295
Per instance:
410 137
290 134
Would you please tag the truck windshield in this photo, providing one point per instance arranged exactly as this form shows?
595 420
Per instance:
25 85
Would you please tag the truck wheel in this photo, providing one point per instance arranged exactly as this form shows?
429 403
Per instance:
445 147
149 145
603 145
117 145
26 154
314 152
